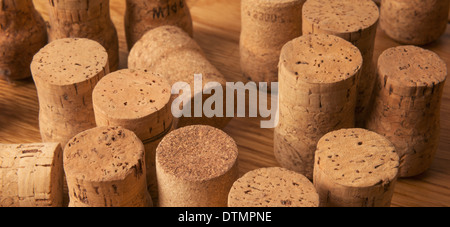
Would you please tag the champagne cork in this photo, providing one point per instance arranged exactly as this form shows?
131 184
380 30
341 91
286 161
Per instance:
144 15
273 187
116 173
140 102
85 19
22 35
414 22
170 51
355 168
196 167
266 27
406 107
317 93
65 75
355 21
31 175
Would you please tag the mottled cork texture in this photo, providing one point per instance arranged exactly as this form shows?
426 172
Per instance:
195 167
144 15
317 95
273 187
355 21
414 22
22 34
116 173
31 175
407 104
65 76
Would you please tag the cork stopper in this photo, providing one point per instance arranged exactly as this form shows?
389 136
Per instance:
357 158
65 61
341 16
321 58
273 187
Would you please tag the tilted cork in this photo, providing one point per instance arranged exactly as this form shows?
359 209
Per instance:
31 175
317 93
273 187
22 34
85 19
355 168
266 27
65 75
170 51
105 167
138 101
355 21
144 15
196 167
414 22
407 104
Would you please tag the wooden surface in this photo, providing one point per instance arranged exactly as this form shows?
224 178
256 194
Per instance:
217 28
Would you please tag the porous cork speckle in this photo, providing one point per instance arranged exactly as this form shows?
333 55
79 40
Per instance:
357 158
104 154
273 187
197 153
412 66
319 58
341 16
69 61
131 94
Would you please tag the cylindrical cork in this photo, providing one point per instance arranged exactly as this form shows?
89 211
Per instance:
406 107
196 167
85 19
170 51
65 75
105 167
266 27
355 168
317 94
415 22
144 15
31 175
138 101
22 34
355 21
273 187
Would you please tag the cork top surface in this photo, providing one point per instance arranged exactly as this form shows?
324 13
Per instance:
412 66
319 58
197 153
42 150
131 94
69 61
341 16
357 158
273 187
104 154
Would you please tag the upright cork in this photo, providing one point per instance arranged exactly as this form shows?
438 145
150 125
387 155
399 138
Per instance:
266 27
355 168
273 187
170 51
144 15
414 22
105 167
406 107
355 21
85 19
196 167
65 75
317 93
31 175
140 102
22 34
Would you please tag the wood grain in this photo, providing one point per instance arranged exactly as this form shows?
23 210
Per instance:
217 29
